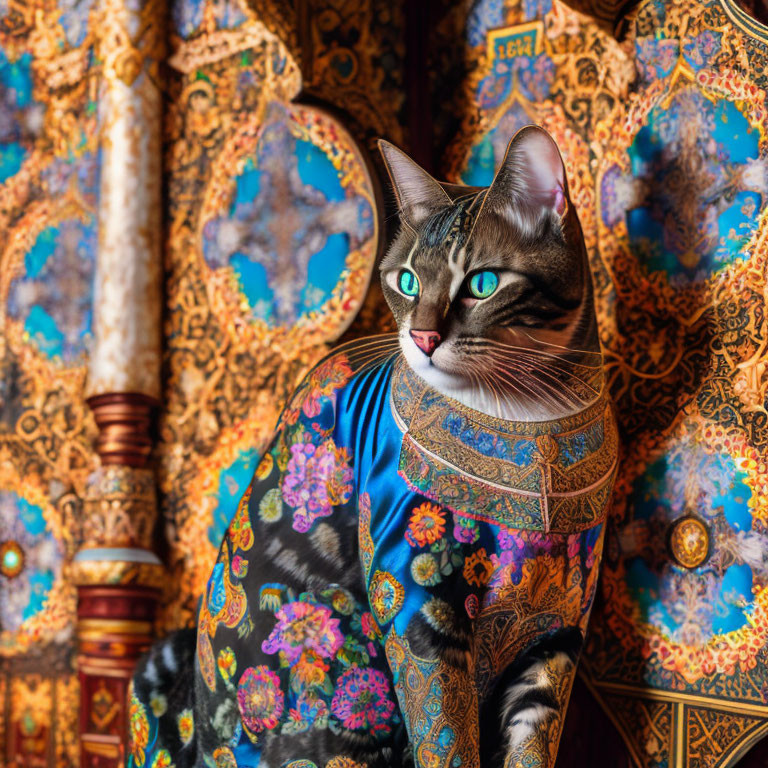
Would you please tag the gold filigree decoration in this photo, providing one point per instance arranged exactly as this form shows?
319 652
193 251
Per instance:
104 708
120 508
689 542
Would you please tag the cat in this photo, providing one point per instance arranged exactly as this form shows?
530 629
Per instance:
408 579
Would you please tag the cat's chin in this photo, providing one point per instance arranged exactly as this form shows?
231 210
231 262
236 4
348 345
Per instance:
467 392
448 382
444 381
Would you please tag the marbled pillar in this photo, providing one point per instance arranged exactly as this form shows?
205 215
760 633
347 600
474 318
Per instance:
116 571
126 322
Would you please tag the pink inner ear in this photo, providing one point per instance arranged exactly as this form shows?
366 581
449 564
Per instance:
546 171
559 201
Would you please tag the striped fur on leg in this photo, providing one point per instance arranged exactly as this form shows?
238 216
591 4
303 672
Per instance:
526 712
163 688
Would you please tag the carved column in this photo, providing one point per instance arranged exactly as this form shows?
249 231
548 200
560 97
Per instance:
117 573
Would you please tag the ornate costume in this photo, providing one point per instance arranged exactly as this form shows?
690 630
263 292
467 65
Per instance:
454 523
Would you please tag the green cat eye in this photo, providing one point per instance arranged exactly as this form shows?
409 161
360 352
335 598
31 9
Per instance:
483 284
409 283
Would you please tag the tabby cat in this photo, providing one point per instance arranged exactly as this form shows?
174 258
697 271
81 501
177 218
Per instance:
409 577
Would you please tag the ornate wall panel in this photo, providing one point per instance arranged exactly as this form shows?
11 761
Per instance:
665 138
682 193
354 60
353 56
271 242
49 181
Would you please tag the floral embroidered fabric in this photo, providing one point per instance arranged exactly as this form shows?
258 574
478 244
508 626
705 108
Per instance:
342 551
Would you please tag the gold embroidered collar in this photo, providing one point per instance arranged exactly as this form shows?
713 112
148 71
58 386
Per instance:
546 475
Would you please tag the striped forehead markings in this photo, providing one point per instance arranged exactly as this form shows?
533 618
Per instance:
458 234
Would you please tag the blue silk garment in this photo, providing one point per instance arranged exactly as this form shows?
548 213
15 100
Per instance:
383 511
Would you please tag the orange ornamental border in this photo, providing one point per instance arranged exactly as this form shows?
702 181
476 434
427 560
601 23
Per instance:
739 650
722 654
616 133
57 615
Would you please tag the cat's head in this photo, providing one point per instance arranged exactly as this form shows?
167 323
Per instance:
490 287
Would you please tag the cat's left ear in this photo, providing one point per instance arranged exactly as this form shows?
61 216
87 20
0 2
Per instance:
418 194
532 172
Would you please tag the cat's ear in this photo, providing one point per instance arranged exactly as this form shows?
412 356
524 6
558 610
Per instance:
418 194
532 172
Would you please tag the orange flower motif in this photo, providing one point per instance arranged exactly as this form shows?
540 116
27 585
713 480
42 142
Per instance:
162 759
478 569
186 725
426 526
226 662
310 668
344 762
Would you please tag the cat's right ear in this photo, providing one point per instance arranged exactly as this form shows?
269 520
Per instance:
418 194
532 171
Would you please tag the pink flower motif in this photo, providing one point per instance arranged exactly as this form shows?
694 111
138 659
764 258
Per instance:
304 626
362 700
543 542
509 540
259 699
316 480
507 569
465 530
239 566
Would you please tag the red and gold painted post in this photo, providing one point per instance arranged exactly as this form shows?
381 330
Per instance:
117 574
118 579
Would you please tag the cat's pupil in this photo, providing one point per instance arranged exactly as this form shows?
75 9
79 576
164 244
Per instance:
483 284
409 283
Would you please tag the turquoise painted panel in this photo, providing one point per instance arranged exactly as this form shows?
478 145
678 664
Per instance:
694 201
25 595
53 295
20 115
692 606
233 482
291 225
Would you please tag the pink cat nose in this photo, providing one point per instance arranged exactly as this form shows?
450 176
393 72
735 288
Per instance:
426 341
